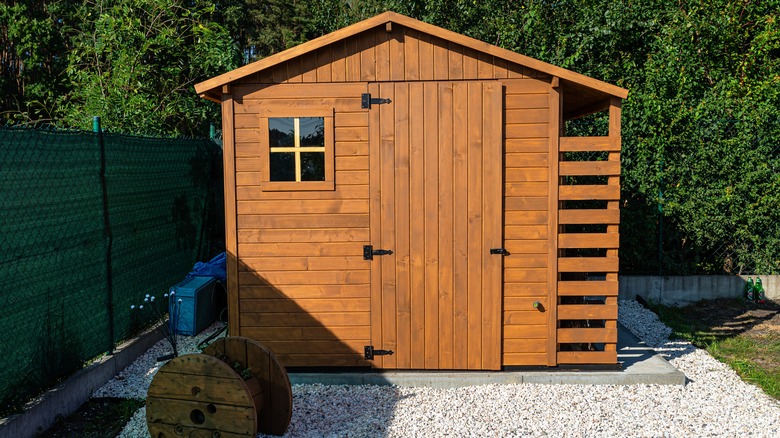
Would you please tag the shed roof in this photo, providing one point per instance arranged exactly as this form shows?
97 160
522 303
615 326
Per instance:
596 90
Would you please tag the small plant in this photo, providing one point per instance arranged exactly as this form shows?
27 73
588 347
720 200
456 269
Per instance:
151 304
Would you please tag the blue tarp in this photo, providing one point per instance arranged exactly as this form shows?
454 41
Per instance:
215 267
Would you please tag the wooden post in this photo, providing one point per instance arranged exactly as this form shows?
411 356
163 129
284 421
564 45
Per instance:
556 109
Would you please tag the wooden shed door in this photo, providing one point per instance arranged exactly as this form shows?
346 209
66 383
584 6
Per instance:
436 201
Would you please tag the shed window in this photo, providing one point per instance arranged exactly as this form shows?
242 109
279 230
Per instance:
298 151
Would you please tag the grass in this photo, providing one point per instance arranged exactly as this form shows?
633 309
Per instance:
97 418
744 335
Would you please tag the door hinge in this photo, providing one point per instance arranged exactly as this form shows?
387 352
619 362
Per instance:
369 252
369 352
366 100
499 251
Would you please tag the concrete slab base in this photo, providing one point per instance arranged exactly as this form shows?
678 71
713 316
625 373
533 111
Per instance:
640 365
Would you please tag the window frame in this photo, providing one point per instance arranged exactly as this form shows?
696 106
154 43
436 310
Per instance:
265 150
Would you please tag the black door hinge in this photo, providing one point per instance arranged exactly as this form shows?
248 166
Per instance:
366 100
369 252
370 352
499 251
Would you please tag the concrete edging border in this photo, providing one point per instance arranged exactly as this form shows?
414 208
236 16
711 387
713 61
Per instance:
65 398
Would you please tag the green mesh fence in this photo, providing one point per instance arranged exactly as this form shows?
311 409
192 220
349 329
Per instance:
91 223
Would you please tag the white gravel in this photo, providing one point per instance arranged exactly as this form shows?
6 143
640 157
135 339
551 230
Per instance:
715 402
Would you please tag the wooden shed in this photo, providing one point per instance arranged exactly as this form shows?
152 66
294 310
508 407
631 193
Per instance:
394 186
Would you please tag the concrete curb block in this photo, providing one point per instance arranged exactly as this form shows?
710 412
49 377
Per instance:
641 366
67 397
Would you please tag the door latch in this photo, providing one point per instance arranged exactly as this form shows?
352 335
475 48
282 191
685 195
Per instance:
369 252
369 352
499 251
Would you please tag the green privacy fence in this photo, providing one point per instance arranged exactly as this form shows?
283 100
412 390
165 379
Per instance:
89 224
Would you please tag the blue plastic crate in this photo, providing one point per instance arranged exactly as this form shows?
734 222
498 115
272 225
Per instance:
196 310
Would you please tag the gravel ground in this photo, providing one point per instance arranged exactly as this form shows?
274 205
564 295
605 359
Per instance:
715 402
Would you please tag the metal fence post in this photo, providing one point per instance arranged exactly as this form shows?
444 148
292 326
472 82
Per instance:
106 233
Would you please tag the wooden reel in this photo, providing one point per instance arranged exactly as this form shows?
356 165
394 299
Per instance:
235 389
276 411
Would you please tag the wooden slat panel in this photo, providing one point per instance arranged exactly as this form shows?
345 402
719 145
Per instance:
525 217
426 56
527 145
527 101
246 193
282 207
524 359
555 127
351 148
485 66
460 230
313 305
588 240
587 168
430 216
446 186
353 58
525 261
303 221
525 203
339 64
303 277
324 61
470 68
525 275
492 157
526 160
500 68
525 346
589 216
529 232
411 55
402 228
387 221
332 360
231 239
350 119
375 160
301 319
397 58
417 234
586 144
261 264
525 332
440 60
526 130
527 246
306 333
526 174
587 264
367 56
533 189
255 106
382 51
525 303
588 288
587 357
351 133
586 311
589 193
524 289
316 347
455 61
352 163
533 115
296 291
300 249
598 335
521 317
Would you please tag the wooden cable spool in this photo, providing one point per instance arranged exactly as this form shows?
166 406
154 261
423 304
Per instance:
276 411
236 388
197 395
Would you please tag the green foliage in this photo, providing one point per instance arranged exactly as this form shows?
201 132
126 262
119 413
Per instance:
700 125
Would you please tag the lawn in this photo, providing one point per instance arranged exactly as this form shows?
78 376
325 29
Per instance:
742 334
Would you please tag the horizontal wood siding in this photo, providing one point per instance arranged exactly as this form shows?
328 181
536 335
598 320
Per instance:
402 54
526 216
303 284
